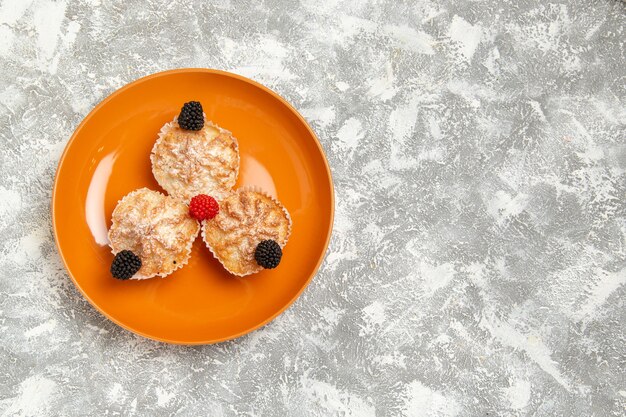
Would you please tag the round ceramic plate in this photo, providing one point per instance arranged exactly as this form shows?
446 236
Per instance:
109 156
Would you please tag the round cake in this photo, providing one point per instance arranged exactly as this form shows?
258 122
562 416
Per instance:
246 218
156 228
197 157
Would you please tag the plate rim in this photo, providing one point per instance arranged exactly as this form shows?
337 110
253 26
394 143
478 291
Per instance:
143 79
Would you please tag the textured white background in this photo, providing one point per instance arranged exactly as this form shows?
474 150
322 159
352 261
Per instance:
477 266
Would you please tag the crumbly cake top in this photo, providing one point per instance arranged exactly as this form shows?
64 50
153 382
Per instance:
187 163
155 227
246 217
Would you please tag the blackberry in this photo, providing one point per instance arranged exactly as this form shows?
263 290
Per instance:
268 254
191 116
125 265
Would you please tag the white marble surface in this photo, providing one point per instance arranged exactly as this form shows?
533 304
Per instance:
477 266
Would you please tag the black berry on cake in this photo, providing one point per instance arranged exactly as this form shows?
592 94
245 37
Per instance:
268 254
125 265
191 116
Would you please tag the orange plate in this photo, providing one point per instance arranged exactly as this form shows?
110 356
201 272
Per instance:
109 156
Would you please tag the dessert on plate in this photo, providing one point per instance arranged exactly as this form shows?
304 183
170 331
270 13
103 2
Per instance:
197 163
194 156
151 235
249 231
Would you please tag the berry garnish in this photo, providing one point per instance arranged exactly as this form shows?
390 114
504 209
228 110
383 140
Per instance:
125 265
203 207
268 254
191 116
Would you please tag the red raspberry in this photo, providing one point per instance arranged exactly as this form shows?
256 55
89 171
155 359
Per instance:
203 207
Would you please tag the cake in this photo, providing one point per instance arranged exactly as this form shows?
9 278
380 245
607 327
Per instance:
194 156
247 217
153 228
